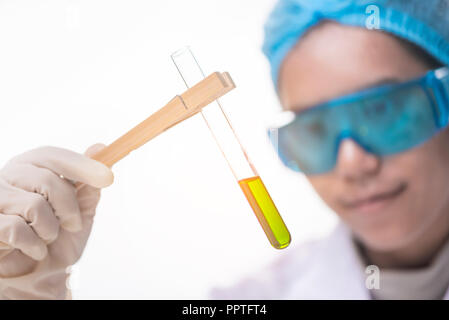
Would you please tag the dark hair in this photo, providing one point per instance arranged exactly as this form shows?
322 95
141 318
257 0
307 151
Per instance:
421 54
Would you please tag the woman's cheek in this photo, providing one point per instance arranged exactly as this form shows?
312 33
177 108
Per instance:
326 187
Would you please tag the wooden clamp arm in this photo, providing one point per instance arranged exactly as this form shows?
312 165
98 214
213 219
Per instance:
176 110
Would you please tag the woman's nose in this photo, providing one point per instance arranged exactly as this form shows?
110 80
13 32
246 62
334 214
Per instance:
354 163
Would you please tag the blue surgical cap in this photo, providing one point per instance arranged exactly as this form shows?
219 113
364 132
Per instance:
422 22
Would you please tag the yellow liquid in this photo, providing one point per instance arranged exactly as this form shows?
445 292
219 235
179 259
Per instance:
266 212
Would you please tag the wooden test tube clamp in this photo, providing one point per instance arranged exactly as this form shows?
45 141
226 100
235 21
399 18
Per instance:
175 111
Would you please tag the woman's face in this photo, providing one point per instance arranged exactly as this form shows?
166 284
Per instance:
410 189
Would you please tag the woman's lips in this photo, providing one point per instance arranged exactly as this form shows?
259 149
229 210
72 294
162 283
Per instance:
375 202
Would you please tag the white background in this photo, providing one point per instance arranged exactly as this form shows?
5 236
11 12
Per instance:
174 223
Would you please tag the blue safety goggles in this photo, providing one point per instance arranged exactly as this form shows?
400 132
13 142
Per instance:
383 120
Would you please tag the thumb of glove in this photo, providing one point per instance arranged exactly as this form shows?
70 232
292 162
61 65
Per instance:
90 152
94 149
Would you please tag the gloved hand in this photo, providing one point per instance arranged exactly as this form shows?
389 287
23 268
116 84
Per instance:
45 220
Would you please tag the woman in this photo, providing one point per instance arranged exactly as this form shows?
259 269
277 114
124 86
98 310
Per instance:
373 143
368 143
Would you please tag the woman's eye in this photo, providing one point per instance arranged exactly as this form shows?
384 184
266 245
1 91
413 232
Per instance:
377 109
316 129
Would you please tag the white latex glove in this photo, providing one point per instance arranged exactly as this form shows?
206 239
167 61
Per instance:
45 220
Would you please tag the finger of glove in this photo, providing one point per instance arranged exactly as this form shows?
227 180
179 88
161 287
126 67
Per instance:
14 264
93 149
32 207
70 164
60 193
15 232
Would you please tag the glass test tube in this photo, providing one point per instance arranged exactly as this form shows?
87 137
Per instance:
235 155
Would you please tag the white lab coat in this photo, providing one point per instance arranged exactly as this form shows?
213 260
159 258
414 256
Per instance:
326 269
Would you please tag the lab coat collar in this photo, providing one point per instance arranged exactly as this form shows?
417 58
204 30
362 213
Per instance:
336 271
446 296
